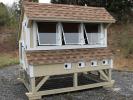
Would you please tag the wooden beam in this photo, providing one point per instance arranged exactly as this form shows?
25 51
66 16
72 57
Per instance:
75 80
33 84
41 82
49 70
25 84
104 75
110 74
69 89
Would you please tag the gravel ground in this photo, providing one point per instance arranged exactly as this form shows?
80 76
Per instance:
12 89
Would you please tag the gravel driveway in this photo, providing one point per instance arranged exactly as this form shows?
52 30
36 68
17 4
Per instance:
12 89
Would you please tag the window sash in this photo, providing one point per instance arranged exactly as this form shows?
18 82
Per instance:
45 38
93 38
70 39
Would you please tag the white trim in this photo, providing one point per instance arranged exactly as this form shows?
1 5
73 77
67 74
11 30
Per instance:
105 38
34 34
66 47
71 20
81 30
111 63
28 38
59 32
27 32
20 51
102 37
31 71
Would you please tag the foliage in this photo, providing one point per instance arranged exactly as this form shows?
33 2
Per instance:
121 8
4 16
9 15
35 0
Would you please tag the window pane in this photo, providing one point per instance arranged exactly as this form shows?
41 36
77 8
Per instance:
46 27
47 38
47 33
93 38
91 28
71 33
71 38
70 27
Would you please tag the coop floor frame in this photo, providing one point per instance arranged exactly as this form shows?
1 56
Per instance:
34 86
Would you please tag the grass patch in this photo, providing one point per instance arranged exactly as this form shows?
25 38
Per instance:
8 59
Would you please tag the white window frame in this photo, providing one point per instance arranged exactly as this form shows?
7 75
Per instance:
59 45
38 37
98 33
72 33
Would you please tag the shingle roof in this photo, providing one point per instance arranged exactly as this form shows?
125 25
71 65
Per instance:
64 56
61 12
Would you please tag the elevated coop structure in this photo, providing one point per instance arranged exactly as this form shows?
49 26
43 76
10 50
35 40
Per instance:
63 48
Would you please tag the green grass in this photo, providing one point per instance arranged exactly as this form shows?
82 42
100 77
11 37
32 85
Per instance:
7 60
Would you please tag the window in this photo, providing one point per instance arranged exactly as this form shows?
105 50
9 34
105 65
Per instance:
47 33
92 33
71 33
91 28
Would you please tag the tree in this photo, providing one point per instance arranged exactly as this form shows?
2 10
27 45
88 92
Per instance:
122 9
81 2
4 16
35 0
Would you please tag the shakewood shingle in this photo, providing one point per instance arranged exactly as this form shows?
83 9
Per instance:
63 56
61 12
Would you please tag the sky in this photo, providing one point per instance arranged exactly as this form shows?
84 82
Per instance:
10 2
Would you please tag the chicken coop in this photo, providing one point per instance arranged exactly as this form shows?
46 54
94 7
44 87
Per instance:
63 48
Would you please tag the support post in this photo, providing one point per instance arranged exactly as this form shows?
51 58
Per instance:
110 74
75 79
104 75
33 85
